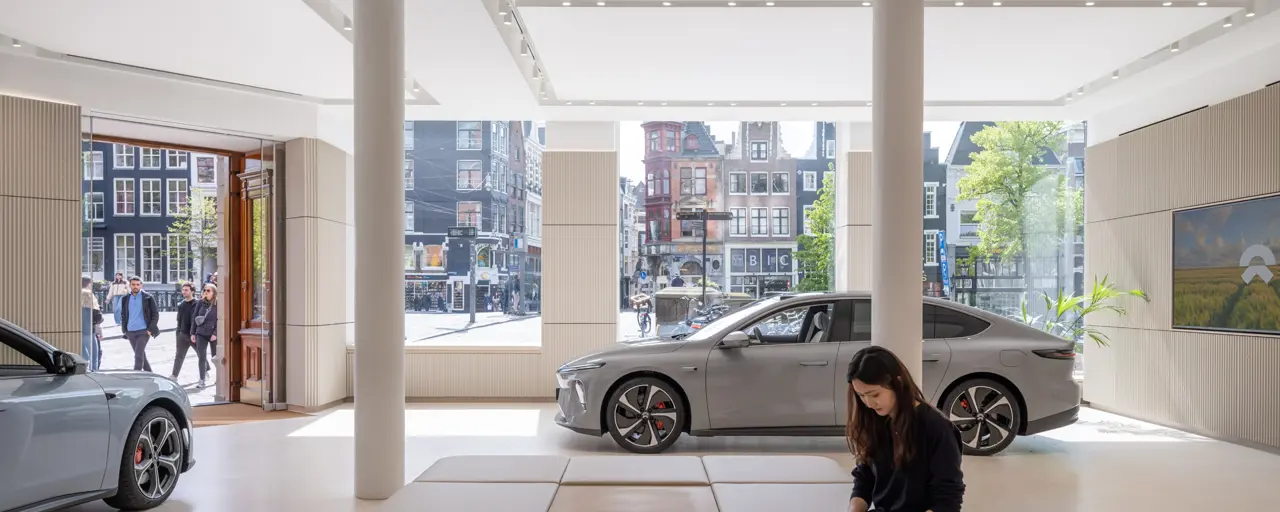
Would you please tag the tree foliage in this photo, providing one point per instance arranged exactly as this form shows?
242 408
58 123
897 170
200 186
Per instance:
815 253
1024 207
198 222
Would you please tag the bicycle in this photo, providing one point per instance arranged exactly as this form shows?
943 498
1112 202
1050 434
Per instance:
642 317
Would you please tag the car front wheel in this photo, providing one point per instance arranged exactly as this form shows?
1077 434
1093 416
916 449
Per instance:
986 413
152 461
645 415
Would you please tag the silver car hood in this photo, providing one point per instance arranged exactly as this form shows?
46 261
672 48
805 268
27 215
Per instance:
653 345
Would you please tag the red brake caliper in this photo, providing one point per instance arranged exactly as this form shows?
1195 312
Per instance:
137 456
661 405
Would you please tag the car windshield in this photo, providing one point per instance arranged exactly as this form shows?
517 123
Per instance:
722 324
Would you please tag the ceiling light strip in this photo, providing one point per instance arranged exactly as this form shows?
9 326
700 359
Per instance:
1242 4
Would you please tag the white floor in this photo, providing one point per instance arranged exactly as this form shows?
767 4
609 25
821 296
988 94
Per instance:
1103 463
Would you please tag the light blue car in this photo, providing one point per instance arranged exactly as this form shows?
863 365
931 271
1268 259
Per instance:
68 436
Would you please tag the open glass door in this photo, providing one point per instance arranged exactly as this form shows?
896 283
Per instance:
255 262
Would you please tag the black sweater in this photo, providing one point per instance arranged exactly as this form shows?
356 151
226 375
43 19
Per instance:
184 316
931 481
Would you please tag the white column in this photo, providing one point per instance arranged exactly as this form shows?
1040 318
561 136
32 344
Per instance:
379 184
579 242
897 177
854 189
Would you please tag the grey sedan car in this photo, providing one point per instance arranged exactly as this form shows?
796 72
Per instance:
777 368
68 436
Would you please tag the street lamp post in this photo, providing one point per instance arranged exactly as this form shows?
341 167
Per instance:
704 217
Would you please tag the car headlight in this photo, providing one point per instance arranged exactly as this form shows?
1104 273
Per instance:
589 365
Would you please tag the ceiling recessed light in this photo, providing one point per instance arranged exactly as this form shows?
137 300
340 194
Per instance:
506 18
868 103
502 10
1166 4
731 4
814 104
1174 47
1068 97
568 103
346 24
17 43
566 4
959 4
1080 91
416 88
770 4
712 104
997 4
1089 4
593 102
601 4
1250 14
639 103
783 104
666 4
1202 4
1226 23
733 104
1115 75
664 103
866 4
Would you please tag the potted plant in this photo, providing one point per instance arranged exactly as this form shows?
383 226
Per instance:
1065 314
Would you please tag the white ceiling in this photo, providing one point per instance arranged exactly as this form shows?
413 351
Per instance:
981 62
278 44
824 54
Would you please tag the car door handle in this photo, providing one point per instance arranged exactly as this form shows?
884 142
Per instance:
931 358
111 395
813 363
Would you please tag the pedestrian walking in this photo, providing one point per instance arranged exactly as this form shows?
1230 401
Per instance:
90 317
140 322
204 328
183 339
118 290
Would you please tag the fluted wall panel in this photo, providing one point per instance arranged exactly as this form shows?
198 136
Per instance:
469 374
853 223
40 218
318 320
1219 384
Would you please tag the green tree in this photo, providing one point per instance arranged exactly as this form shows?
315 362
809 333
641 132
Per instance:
197 221
816 249
1025 208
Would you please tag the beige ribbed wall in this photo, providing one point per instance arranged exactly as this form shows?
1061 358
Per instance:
41 219
579 256
853 223
318 225
1222 385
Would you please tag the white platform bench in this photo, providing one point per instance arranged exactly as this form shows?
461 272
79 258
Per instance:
774 469
627 483
654 470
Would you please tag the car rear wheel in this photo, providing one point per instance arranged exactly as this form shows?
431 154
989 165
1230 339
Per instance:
152 461
645 415
986 413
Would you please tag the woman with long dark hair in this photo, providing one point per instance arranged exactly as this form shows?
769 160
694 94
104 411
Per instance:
907 453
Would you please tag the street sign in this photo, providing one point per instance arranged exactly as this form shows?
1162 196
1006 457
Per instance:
462 232
707 215
643 275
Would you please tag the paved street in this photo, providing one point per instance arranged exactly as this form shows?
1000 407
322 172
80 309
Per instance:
421 329
117 355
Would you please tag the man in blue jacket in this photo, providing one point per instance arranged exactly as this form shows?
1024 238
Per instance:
140 322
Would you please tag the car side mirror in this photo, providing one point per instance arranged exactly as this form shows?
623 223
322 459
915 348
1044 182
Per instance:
736 339
70 364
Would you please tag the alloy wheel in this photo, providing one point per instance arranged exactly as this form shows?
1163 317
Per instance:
645 415
156 458
984 416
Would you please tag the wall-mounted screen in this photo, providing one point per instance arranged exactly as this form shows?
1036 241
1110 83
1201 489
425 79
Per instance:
1225 275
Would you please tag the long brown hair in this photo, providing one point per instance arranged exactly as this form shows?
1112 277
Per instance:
864 428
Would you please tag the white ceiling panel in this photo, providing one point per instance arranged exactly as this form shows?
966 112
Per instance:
824 54
278 44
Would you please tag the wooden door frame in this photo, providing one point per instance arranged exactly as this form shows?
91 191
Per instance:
234 297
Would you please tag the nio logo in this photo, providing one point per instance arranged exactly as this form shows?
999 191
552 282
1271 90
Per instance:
1259 271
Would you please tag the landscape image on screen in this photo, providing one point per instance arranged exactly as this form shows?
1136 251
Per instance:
1225 274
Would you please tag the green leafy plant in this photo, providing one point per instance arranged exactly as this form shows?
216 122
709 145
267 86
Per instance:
816 248
1065 313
